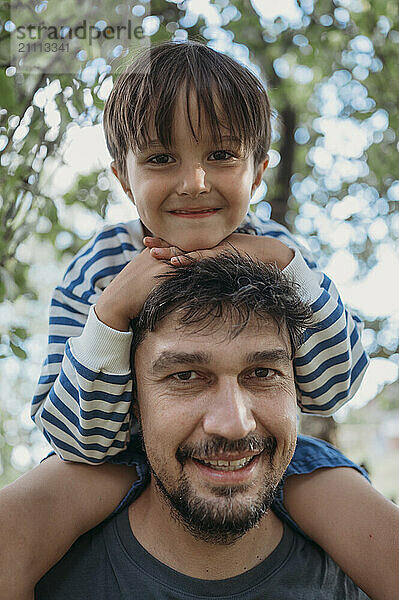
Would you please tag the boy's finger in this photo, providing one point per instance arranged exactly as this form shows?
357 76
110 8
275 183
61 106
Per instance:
181 261
166 253
155 242
186 259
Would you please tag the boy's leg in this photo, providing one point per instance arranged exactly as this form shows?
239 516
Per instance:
355 524
332 502
43 512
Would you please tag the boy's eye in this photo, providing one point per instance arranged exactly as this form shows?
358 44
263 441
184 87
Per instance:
160 159
185 376
221 155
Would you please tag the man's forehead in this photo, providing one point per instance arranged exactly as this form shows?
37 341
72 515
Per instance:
204 342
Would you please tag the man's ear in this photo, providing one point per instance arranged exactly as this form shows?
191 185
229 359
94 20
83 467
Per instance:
261 168
124 184
135 409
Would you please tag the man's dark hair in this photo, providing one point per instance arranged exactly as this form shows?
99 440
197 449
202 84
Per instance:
227 289
148 90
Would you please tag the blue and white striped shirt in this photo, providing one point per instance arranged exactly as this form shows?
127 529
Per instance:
83 397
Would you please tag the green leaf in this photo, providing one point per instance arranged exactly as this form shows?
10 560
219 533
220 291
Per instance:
20 332
18 351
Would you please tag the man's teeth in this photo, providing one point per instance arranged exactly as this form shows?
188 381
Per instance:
193 212
227 465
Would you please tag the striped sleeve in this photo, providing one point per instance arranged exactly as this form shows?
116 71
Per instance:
331 362
82 399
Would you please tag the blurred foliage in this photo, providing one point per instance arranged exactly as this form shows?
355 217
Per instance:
388 400
333 66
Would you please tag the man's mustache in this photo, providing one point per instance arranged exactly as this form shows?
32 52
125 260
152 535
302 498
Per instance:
220 445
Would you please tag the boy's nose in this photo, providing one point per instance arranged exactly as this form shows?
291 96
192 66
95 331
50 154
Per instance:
193 181
229 414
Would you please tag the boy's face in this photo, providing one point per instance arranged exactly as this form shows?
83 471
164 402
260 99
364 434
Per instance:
196 193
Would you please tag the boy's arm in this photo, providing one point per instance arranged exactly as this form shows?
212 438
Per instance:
43 512
85 414
330 362
83 399
353 523
77 387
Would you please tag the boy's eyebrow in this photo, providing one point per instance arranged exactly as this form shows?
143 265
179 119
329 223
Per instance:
158 143
152 143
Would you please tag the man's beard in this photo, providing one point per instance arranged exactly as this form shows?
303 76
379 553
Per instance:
224 518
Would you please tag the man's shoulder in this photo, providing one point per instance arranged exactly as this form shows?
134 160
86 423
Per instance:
108 563
321 577
83 570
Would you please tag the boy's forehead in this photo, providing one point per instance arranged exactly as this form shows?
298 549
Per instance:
190 114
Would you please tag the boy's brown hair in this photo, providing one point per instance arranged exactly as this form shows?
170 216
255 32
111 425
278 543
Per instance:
228 95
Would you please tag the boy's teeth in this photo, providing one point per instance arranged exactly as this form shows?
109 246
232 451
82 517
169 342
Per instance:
228 465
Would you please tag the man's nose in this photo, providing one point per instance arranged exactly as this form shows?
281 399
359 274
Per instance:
229 413
193 180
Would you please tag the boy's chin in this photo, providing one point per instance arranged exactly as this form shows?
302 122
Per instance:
199 244
189 243
193 242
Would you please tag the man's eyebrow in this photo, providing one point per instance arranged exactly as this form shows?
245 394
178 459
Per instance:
167 359
275 355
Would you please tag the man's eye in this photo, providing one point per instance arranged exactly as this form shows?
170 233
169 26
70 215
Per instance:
160 159
262 372
185 376
221 155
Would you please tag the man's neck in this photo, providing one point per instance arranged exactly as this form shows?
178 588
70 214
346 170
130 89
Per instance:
172 544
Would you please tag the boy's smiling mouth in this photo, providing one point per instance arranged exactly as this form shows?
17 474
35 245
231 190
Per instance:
194 212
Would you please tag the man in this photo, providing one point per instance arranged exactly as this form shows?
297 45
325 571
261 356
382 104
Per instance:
216 403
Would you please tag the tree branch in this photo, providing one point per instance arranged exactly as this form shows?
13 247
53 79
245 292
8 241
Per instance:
282 190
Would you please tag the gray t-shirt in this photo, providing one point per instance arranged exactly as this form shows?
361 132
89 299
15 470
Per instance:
108 563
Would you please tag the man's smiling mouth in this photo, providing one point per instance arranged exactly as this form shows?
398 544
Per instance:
226 465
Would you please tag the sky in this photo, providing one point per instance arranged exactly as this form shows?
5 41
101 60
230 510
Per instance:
271 9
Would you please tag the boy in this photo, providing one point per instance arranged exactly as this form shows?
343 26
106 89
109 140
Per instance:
189 131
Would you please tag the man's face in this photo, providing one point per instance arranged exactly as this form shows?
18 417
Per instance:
218 419
196 193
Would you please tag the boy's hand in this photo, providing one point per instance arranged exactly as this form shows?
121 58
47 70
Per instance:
267 249
124 297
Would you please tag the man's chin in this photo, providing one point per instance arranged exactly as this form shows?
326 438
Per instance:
221 521
223 516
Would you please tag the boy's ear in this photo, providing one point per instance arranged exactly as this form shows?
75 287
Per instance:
261 168
123 183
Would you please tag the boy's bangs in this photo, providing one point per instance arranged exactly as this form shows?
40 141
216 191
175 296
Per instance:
213 114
